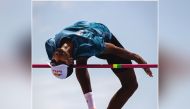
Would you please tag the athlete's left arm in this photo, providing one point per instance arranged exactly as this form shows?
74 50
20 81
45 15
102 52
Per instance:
123 53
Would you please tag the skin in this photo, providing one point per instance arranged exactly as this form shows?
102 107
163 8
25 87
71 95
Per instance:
128 79
66 56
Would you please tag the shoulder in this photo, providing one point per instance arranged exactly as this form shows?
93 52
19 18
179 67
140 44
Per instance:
50 47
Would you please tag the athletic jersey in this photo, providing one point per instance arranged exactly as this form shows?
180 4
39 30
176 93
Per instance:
88 39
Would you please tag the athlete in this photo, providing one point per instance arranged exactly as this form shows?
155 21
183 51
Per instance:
84 39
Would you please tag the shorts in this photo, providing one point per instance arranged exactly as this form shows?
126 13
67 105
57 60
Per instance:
114 59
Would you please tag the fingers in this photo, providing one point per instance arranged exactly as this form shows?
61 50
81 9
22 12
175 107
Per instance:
148 72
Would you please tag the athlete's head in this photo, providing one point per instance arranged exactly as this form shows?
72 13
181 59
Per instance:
61 61
61 64
61 57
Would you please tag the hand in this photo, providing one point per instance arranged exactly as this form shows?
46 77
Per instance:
148 72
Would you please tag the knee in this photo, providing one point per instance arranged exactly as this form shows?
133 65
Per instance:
135 85
130 85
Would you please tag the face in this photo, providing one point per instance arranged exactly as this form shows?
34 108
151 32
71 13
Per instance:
61 56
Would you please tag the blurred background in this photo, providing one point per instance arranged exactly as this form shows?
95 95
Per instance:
174 54
15 79
15 61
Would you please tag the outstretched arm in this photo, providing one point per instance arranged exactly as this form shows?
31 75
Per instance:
84 80
83 76
123 53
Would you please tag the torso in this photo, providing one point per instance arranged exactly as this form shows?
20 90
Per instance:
87 39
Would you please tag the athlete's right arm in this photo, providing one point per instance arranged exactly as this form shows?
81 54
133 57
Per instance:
83 76
123 53
84 80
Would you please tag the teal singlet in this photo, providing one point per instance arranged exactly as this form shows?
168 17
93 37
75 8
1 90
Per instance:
88 39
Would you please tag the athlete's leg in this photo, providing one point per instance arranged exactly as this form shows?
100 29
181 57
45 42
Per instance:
127 78
129 84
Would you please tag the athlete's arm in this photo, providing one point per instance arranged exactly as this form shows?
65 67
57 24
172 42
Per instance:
83 76
84 80
123 53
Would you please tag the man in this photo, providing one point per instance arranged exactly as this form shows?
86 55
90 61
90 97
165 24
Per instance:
85 39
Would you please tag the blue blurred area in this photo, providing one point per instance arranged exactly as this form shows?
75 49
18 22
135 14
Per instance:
174 53
15 54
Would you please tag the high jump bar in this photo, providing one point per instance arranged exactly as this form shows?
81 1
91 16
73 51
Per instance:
103 66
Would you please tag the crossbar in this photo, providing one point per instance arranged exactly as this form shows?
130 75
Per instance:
103 66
